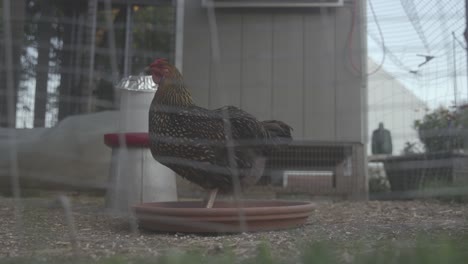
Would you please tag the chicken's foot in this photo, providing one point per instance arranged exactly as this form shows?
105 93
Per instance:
211 198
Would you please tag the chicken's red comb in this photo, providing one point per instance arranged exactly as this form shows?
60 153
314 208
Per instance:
159 62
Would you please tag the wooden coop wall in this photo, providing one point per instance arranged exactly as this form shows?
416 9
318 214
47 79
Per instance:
286 64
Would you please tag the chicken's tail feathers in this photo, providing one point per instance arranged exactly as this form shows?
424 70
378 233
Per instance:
279 133
277 128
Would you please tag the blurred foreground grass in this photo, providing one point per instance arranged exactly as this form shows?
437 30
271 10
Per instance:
419 251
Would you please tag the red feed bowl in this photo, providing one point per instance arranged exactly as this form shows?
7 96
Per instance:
224 217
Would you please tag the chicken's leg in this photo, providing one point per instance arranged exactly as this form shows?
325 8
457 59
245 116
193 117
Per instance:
211 198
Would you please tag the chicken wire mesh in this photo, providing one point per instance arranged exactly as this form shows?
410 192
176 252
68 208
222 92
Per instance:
334 74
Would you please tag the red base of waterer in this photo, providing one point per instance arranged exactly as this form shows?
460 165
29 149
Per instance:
140 139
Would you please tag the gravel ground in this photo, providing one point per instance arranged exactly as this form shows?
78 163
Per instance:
44 232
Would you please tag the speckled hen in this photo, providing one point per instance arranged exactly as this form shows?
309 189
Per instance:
192 141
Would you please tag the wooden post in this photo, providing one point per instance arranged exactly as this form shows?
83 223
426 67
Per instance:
466 32
44 32
91 43
14 11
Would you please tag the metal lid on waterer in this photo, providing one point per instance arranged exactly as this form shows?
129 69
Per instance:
140 83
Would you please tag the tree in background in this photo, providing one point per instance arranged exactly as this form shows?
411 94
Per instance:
52 54
152 35
17 13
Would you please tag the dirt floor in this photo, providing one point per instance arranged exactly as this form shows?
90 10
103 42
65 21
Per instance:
44 231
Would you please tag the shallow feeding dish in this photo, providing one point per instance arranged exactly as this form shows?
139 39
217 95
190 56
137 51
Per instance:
224 217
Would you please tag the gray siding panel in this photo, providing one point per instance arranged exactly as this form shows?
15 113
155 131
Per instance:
226 74
319 77
257 60
285 64
349 105
197 52
289 65
288 76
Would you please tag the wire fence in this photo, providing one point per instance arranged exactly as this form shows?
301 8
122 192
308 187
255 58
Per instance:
375 92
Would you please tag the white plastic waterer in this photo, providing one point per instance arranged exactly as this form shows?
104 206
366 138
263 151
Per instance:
136 93
135 177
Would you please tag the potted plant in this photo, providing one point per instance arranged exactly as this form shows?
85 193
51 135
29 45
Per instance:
442 130
443 133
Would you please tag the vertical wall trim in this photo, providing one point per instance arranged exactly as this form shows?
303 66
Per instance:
364 76
215 53
179 34
304 88
241 64
335 78
364 94
272 91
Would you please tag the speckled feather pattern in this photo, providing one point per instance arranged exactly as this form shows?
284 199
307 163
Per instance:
191 140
